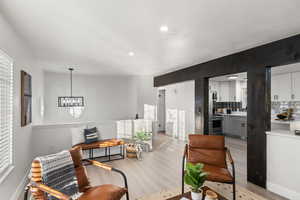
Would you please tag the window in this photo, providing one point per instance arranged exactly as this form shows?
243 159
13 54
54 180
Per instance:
149 112
6 111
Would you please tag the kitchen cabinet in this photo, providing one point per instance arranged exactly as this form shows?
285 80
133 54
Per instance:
296 86
235 126
232 90
223 91
281 87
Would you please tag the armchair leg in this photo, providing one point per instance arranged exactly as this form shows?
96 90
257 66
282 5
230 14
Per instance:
125 181
182 175
234 192
26 192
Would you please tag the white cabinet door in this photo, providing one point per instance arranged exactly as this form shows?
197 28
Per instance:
232 90
296 86
274 88
281 87
224 91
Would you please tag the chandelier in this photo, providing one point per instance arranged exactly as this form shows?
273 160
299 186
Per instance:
71 101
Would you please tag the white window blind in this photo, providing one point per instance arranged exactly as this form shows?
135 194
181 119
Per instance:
6 101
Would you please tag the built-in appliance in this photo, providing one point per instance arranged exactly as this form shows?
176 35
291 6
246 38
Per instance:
217 124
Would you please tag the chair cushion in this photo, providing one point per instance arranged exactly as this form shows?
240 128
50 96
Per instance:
207 156
91 135
207 141
104 192
218 174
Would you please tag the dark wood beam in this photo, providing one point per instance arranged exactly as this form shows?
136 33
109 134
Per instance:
258 122
201 106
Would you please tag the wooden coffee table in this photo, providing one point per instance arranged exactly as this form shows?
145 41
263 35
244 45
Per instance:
188 195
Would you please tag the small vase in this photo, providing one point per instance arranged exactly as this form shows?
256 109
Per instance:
197 195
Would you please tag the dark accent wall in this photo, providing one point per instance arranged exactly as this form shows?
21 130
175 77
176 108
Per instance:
257 62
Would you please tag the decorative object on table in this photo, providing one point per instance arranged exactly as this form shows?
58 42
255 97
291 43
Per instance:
142 138
26 99
210 195
90 135
134 151
195 177
286 115
211 150
137 116
75 104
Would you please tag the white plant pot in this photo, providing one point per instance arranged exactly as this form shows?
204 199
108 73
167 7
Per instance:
196 195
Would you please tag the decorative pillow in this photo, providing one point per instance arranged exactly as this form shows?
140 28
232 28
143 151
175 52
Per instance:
91 135
77 135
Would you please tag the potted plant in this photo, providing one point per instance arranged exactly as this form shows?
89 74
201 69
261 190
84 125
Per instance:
142 139
142 136
195 177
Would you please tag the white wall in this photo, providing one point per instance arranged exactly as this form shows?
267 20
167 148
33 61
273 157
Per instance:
12 45
283 163
181 96
106 97
50 139
146 93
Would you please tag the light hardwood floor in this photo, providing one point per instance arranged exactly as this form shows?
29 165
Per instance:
161 169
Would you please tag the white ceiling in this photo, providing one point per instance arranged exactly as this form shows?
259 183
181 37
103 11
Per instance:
95 36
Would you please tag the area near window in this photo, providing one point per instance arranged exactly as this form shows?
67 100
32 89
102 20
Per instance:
6 88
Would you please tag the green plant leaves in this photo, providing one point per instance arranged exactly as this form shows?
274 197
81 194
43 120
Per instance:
195 176
142 136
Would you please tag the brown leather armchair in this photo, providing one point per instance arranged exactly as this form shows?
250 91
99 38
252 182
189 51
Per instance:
211 151
103 192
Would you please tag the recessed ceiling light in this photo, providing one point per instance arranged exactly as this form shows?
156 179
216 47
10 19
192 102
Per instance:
164 28
232 77
131 53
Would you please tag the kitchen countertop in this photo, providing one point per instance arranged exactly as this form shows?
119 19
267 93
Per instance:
283 133
280 121
236 114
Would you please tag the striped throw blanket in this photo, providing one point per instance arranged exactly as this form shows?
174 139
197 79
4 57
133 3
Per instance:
58 173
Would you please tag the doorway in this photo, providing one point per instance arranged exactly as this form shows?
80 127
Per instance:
228 116
161 111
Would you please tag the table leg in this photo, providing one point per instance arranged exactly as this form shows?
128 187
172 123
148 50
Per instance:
109 153
90 154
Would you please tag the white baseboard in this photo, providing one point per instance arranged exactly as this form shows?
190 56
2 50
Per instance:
20 189
283 191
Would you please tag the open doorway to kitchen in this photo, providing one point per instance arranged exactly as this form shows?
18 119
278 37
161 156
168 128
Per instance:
228 116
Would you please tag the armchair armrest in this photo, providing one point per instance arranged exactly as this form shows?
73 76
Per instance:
229 156
232 163
50 191
99 164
